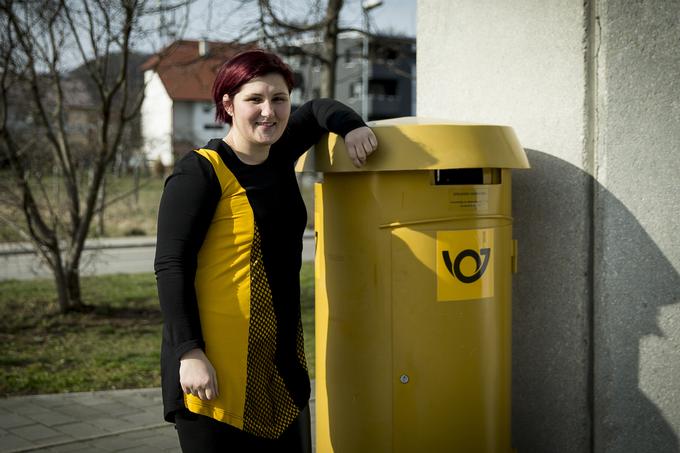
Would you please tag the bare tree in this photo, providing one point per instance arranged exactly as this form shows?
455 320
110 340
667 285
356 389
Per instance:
308 28
40 40
316 20
324 26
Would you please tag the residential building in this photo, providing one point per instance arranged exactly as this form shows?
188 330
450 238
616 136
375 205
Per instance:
391 74
178 113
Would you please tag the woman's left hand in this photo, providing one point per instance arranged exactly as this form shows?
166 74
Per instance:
360 142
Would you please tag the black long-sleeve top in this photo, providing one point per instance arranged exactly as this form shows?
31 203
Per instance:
228 257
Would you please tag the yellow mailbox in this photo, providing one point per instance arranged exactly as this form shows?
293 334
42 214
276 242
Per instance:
414 258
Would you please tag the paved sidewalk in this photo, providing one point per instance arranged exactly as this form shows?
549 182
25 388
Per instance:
127 421
119 420
26 248
128 255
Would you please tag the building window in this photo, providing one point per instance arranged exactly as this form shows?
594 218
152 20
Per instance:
353 56
350 57
355 90
298 80
387 55
382 87
296 96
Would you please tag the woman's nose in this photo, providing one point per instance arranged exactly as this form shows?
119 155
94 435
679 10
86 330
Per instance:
266 109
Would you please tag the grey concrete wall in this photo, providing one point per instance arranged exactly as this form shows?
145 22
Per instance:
637 292
593 92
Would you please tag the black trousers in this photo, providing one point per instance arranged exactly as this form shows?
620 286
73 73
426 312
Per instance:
201 434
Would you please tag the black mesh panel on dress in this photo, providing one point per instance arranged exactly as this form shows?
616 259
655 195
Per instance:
269 408
300 346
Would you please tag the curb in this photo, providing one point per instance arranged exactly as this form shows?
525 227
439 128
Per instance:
26 248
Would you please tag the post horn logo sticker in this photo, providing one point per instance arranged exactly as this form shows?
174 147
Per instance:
465 264
480 266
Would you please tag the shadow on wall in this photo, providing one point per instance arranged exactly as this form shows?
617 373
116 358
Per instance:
559 372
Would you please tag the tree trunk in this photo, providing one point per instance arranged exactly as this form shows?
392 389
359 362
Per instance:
330 48
101 202
67 280
136 176
35 41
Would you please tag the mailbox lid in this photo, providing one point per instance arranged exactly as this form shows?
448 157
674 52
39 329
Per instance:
417 143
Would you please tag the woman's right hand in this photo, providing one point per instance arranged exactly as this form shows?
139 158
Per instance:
197 375
360 143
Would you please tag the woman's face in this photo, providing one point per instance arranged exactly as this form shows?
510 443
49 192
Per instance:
259 111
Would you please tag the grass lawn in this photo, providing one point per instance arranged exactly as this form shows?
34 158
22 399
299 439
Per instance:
114 346
130 215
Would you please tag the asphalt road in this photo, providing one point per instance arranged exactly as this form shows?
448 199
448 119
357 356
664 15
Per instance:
112 256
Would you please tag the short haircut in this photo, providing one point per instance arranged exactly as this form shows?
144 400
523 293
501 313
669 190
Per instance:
239 70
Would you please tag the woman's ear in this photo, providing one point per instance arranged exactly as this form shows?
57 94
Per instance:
228 104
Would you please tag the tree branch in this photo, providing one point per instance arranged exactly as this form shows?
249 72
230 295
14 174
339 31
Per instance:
95 75
70 177
266 7
121 197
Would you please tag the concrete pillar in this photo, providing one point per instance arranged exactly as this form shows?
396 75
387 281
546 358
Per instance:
593 92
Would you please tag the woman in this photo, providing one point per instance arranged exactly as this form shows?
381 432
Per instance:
228 256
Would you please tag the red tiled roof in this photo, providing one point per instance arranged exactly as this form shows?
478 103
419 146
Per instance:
186 75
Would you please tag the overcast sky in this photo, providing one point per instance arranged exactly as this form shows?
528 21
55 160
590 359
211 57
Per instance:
392 16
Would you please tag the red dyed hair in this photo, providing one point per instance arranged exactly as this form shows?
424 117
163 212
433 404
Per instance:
239 70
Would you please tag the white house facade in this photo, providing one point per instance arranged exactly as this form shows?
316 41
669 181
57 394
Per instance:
194 122
157 120
178 113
